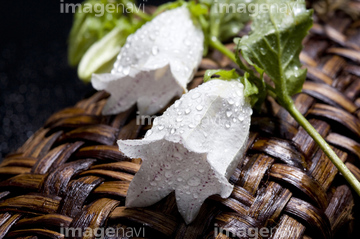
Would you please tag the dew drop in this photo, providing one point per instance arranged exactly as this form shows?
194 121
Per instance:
231 101
179 179
168 174
153 183
157 178
126 70
199 107
262 50
177 104
228 114
179 119
201 170
155 50
161 127
241 117
119 68
195 195
172 131
152 36
186 69
187 111
227 125
178 156
191 126
193 182
195 96
149 132
188 192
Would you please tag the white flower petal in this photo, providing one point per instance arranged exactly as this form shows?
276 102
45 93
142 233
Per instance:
143 88
170 39
193 148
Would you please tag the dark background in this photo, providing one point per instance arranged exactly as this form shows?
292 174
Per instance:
35 79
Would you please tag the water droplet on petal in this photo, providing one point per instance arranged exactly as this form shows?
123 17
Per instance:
199 107
231 101
195 96
179 119
178 156
201 170
161 127
157 178
126 70
155 50
153 183
179 179
191 126
187 111
195 195
193 182
227 125
168 174
152 36
177 103
228 114
172 131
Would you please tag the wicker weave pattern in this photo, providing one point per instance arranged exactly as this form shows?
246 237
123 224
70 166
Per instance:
70 172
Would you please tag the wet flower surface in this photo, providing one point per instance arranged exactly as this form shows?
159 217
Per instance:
155 64
193 148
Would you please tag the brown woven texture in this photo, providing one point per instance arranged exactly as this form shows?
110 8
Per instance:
71 174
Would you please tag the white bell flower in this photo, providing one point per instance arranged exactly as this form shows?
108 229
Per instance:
155 64
192 149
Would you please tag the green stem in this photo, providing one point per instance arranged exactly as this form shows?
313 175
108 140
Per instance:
290 107
216 44
137 12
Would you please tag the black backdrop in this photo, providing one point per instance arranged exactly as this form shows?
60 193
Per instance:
35 79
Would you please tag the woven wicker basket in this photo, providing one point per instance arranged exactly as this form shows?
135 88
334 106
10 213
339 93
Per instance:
70 174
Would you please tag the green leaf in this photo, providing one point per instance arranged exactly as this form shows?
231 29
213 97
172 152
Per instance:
274 44
89 26
250 90
197 9
101 56
227 17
